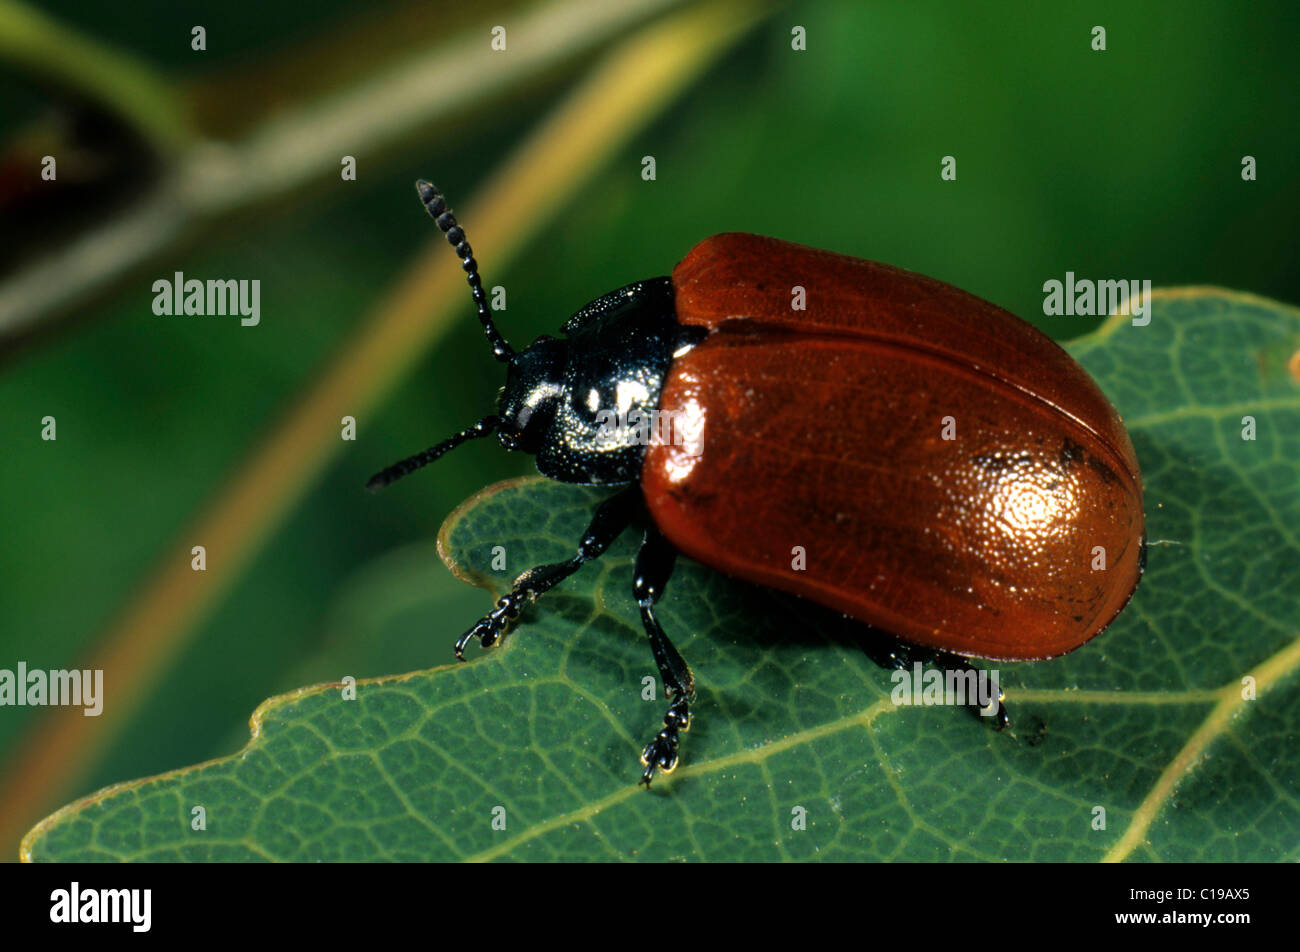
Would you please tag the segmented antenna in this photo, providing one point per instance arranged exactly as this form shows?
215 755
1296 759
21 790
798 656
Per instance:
409 465
436 205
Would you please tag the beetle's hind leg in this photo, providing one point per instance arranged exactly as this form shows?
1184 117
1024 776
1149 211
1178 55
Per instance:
611 518
1001 720
654 565
890 652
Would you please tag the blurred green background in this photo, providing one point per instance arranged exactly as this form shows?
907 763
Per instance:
1117 164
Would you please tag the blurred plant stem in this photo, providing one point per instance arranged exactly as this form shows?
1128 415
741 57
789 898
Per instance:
622 93
45 48
204 181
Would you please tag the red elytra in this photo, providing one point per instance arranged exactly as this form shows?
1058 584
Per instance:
810 455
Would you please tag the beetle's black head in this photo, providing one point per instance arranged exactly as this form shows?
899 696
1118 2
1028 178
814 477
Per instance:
584 406
532 394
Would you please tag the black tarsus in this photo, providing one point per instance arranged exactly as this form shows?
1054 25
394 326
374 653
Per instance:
946 659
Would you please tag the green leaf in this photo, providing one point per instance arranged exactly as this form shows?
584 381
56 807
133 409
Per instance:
1147 722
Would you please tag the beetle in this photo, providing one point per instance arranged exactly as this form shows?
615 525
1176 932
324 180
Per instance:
950 475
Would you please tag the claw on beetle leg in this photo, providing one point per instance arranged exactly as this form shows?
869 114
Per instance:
1003 718
661 753
489 628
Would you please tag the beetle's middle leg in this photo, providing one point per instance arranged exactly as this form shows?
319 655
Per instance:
654 565
611 518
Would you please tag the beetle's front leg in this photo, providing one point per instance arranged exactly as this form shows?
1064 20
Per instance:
611 518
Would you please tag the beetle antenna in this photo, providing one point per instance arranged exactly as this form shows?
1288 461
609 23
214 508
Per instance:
409 465
436 205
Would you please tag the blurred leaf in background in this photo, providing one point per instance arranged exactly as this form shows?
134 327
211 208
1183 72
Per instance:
1122 163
